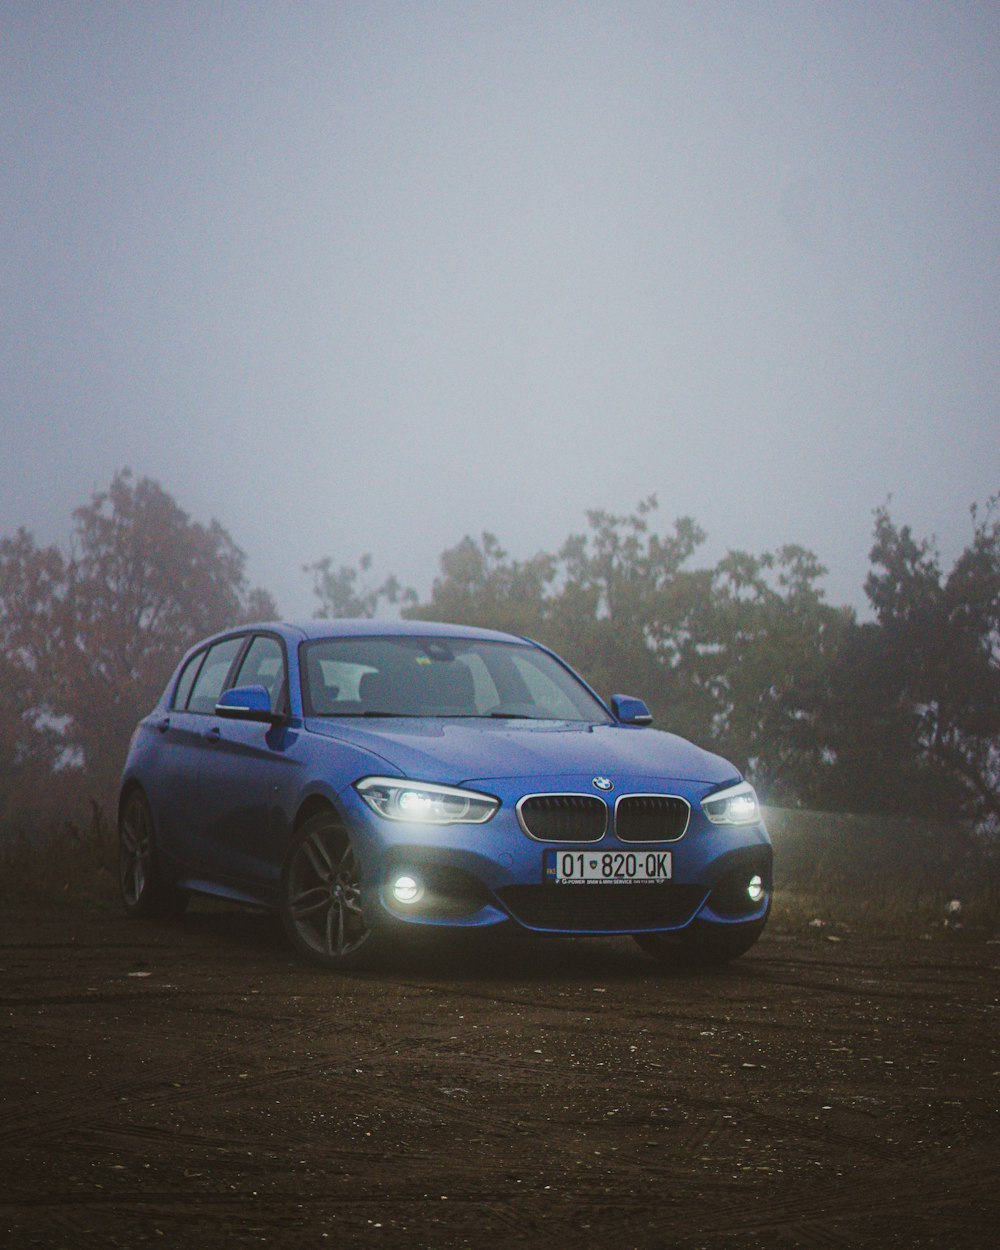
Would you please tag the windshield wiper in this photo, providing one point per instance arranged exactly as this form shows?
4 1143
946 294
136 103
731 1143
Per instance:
434 715
357 715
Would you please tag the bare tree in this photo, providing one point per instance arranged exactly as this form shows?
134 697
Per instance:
89 635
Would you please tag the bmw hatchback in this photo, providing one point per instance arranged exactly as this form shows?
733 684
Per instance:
365 779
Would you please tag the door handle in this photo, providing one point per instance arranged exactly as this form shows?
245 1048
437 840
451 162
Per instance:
213 734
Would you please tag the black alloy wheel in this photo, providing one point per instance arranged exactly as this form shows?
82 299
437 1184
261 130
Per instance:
321 897
144 890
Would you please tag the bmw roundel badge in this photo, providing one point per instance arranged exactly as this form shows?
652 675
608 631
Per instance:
604 783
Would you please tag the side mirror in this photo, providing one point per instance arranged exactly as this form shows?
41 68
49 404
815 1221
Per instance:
630 711
247 703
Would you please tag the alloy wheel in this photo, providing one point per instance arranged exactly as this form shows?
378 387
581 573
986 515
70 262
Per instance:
144 889
135 856
321 903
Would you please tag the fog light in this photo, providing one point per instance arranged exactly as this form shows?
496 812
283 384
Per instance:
407 890
755 888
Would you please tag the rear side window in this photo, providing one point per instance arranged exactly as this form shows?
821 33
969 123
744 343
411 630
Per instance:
187 680
211 679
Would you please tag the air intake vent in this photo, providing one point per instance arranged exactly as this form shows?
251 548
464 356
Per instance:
602 908
651 818
563 817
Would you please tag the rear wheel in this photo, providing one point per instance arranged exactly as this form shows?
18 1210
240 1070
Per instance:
701 944
144 889
321 897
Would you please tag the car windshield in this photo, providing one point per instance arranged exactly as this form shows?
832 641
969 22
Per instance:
406 676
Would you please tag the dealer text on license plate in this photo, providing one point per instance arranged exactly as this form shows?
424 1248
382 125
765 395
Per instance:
606 867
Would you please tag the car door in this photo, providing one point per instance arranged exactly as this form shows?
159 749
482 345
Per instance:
246 769
177 747
183 741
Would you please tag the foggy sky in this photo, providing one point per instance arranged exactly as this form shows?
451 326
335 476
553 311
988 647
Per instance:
368 277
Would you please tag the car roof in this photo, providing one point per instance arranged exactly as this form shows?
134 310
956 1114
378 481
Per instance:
365 628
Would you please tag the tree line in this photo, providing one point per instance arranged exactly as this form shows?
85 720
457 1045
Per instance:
899 714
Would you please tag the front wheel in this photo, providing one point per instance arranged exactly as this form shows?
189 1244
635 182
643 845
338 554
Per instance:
144 889
321 897
702 944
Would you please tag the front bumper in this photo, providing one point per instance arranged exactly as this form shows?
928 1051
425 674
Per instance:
478 876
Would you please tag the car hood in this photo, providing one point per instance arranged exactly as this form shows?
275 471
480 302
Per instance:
459 750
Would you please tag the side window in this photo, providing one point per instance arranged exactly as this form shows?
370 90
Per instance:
211 680
187 681
264 665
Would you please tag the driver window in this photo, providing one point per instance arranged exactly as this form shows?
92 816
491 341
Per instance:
264 665
212 677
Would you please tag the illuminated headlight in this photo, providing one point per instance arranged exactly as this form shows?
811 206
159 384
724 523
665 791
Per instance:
420 802
736 806
755 889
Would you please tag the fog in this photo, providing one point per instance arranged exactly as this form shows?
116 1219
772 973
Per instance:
368 277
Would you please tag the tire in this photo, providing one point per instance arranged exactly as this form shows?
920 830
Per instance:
321 898
702 945
144 889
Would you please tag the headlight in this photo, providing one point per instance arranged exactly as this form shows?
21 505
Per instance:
736 806
421 802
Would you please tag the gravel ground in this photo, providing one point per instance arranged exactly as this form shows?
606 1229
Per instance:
194 1085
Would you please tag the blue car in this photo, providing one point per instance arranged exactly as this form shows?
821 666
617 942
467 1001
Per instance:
369 778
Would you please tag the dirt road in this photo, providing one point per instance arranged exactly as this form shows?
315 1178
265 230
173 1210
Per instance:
196 1086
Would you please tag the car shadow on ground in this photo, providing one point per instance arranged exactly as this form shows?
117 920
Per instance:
500 955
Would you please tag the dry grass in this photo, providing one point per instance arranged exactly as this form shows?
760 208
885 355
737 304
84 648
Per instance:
74 863
889 874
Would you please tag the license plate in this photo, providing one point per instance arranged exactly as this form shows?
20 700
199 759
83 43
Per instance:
607 867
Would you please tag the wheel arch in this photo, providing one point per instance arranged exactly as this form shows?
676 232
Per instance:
314 804
132 785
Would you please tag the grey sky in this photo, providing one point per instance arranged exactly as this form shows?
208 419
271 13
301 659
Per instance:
368 277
